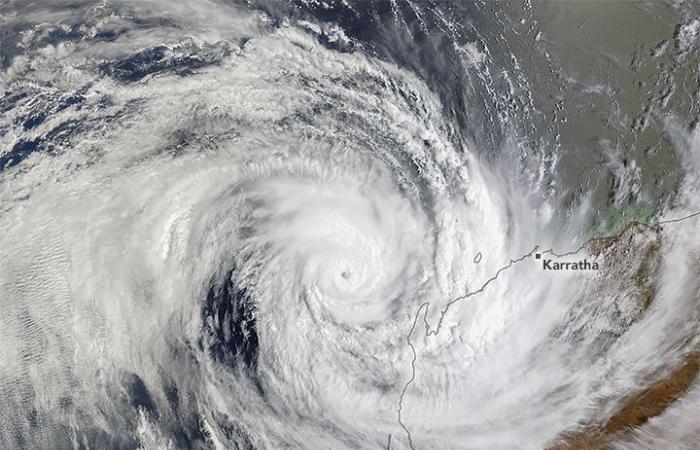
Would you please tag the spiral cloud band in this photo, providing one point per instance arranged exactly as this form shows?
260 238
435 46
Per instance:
220 230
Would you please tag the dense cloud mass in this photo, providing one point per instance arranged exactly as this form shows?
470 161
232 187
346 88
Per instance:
255 225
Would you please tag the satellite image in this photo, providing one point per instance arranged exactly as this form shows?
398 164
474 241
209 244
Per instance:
350 224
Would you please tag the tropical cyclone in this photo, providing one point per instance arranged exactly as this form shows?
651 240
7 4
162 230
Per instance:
221 229
222 255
